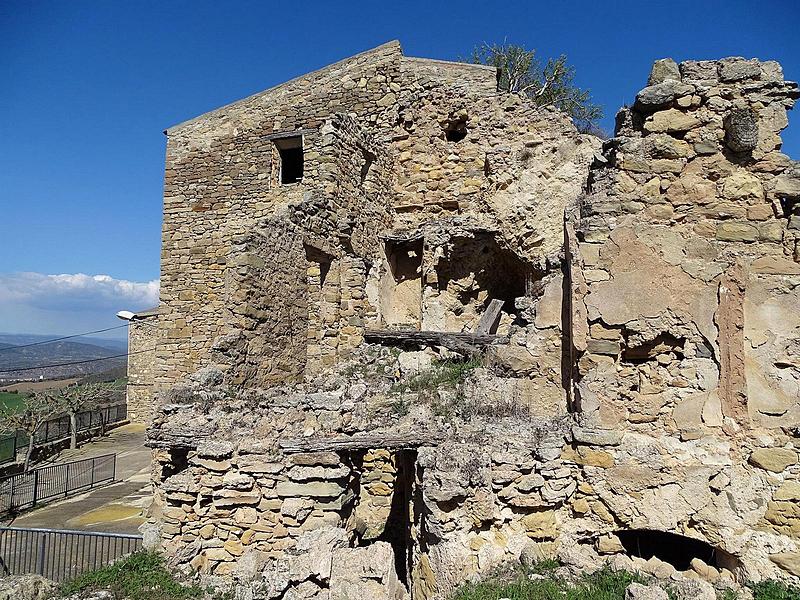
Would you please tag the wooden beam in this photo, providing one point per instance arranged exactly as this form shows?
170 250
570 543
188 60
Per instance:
490 317
464 343
360 442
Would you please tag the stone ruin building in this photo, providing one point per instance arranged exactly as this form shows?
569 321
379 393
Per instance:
413 328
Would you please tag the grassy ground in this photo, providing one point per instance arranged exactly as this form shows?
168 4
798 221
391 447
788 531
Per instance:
140 576
541 583
605 584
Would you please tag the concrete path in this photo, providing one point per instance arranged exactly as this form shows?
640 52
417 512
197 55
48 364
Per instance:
117 507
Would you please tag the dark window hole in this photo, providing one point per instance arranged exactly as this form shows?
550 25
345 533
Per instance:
290 150
664 342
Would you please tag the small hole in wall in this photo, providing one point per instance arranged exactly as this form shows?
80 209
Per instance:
790 207
322 259
369 158
664 342
178 461
455 131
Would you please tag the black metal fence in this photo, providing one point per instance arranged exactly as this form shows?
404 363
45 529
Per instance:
55 481
57 429
60 554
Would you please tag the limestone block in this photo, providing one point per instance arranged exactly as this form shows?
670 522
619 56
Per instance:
596 437
412 363
788 561
741 185
315 458
227 497
664 69
609 544
662 93
671 121
773 459
237 481
26 587
665 146
254 463
738 69
306 473
699 70
787 185
541 525
731 231
214 449
317 489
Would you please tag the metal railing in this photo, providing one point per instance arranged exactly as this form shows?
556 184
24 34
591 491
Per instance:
61 554
57 429
25 490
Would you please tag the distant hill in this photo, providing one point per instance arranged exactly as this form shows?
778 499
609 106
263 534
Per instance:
112 375
119 345
72 350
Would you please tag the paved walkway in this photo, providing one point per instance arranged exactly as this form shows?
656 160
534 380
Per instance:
116 507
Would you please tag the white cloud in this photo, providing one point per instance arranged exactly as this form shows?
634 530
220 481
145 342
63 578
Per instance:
31 302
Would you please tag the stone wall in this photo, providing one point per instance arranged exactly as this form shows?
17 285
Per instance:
142 342
641 384
222 179
684 272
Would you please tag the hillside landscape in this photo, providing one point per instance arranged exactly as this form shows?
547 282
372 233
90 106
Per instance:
19 360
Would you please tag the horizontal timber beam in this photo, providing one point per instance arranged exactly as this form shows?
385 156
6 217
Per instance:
467 343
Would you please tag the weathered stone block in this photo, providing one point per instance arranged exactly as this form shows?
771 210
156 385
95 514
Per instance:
773 459
317 489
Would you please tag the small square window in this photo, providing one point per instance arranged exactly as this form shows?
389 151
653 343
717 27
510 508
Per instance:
290 150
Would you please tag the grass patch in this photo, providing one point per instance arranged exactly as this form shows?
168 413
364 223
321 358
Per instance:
443 373
605 584
12 400
775 590
139 576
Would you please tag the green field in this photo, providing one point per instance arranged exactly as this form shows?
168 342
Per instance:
12 400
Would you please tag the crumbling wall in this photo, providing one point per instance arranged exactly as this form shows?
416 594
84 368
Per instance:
684 271
296 295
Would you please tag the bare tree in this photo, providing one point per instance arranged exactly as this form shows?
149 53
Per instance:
40 406
551 83
76 398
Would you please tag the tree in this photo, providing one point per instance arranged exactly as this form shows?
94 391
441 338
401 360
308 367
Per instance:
75 398
40 406
551 83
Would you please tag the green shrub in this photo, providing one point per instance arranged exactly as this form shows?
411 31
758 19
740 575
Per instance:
139 576
775 590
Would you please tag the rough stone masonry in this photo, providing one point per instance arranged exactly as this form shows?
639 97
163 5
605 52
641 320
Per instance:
413 328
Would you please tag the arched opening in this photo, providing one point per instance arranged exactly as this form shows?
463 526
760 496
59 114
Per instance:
677 550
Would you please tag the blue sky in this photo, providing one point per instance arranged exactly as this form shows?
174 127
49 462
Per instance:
89 87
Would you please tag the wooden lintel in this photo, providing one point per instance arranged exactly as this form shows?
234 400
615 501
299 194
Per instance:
467 343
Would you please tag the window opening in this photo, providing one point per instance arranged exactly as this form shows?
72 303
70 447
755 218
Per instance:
290 150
